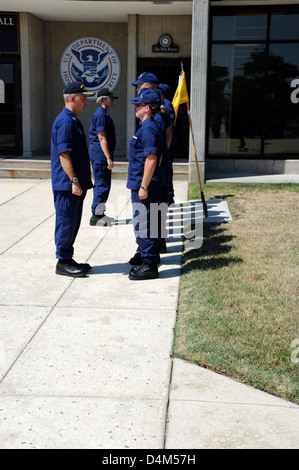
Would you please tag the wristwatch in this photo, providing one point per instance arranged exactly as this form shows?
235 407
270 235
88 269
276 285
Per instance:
144 187
75 179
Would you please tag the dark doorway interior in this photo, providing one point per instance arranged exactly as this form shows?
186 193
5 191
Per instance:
10 106
168 71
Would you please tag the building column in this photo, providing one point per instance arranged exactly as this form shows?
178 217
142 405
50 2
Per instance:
131 76
25 74
198 92
33 84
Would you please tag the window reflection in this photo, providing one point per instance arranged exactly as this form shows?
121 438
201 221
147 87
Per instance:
284 26
240 27
281 115
251 113
236 99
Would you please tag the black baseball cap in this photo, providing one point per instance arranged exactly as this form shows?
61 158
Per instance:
76 87
106 92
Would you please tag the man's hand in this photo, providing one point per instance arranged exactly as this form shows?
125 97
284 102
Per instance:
143 193
67 165
110 164
76 189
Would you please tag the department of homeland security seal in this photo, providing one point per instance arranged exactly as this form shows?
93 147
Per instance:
92 61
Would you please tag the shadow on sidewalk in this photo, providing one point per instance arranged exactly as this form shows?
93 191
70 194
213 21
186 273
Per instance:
124 269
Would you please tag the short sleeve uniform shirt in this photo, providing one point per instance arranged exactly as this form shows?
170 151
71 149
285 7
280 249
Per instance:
101 122
68 136
147 140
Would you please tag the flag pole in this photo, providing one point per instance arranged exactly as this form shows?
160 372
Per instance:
204 205
181 96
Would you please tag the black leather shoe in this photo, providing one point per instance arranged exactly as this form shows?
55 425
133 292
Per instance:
101 220
143 272
98 220
70 268
72 262
85 266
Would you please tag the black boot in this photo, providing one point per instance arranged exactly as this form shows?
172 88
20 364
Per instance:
145 271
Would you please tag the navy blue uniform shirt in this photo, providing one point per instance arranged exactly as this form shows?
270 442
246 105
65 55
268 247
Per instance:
68 136
101 122
147 140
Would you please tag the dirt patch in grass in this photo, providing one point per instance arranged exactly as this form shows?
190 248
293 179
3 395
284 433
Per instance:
238 304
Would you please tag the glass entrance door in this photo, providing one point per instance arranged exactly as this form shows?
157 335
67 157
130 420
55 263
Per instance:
10 107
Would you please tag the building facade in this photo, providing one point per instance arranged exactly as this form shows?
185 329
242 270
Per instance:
241 60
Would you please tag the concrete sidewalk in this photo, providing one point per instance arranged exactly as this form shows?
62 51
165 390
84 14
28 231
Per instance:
86 362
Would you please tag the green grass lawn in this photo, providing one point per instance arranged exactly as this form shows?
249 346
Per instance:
238 303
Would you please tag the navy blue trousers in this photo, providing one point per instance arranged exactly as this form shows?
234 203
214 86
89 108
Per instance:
102 185
68 219
147 223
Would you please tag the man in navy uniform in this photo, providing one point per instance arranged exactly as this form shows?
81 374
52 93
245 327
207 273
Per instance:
101 149
71 177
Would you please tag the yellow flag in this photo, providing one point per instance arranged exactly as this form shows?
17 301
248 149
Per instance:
181 94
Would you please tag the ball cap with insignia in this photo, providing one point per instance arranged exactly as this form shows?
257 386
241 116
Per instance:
106 92
76 87
146 96
146 77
